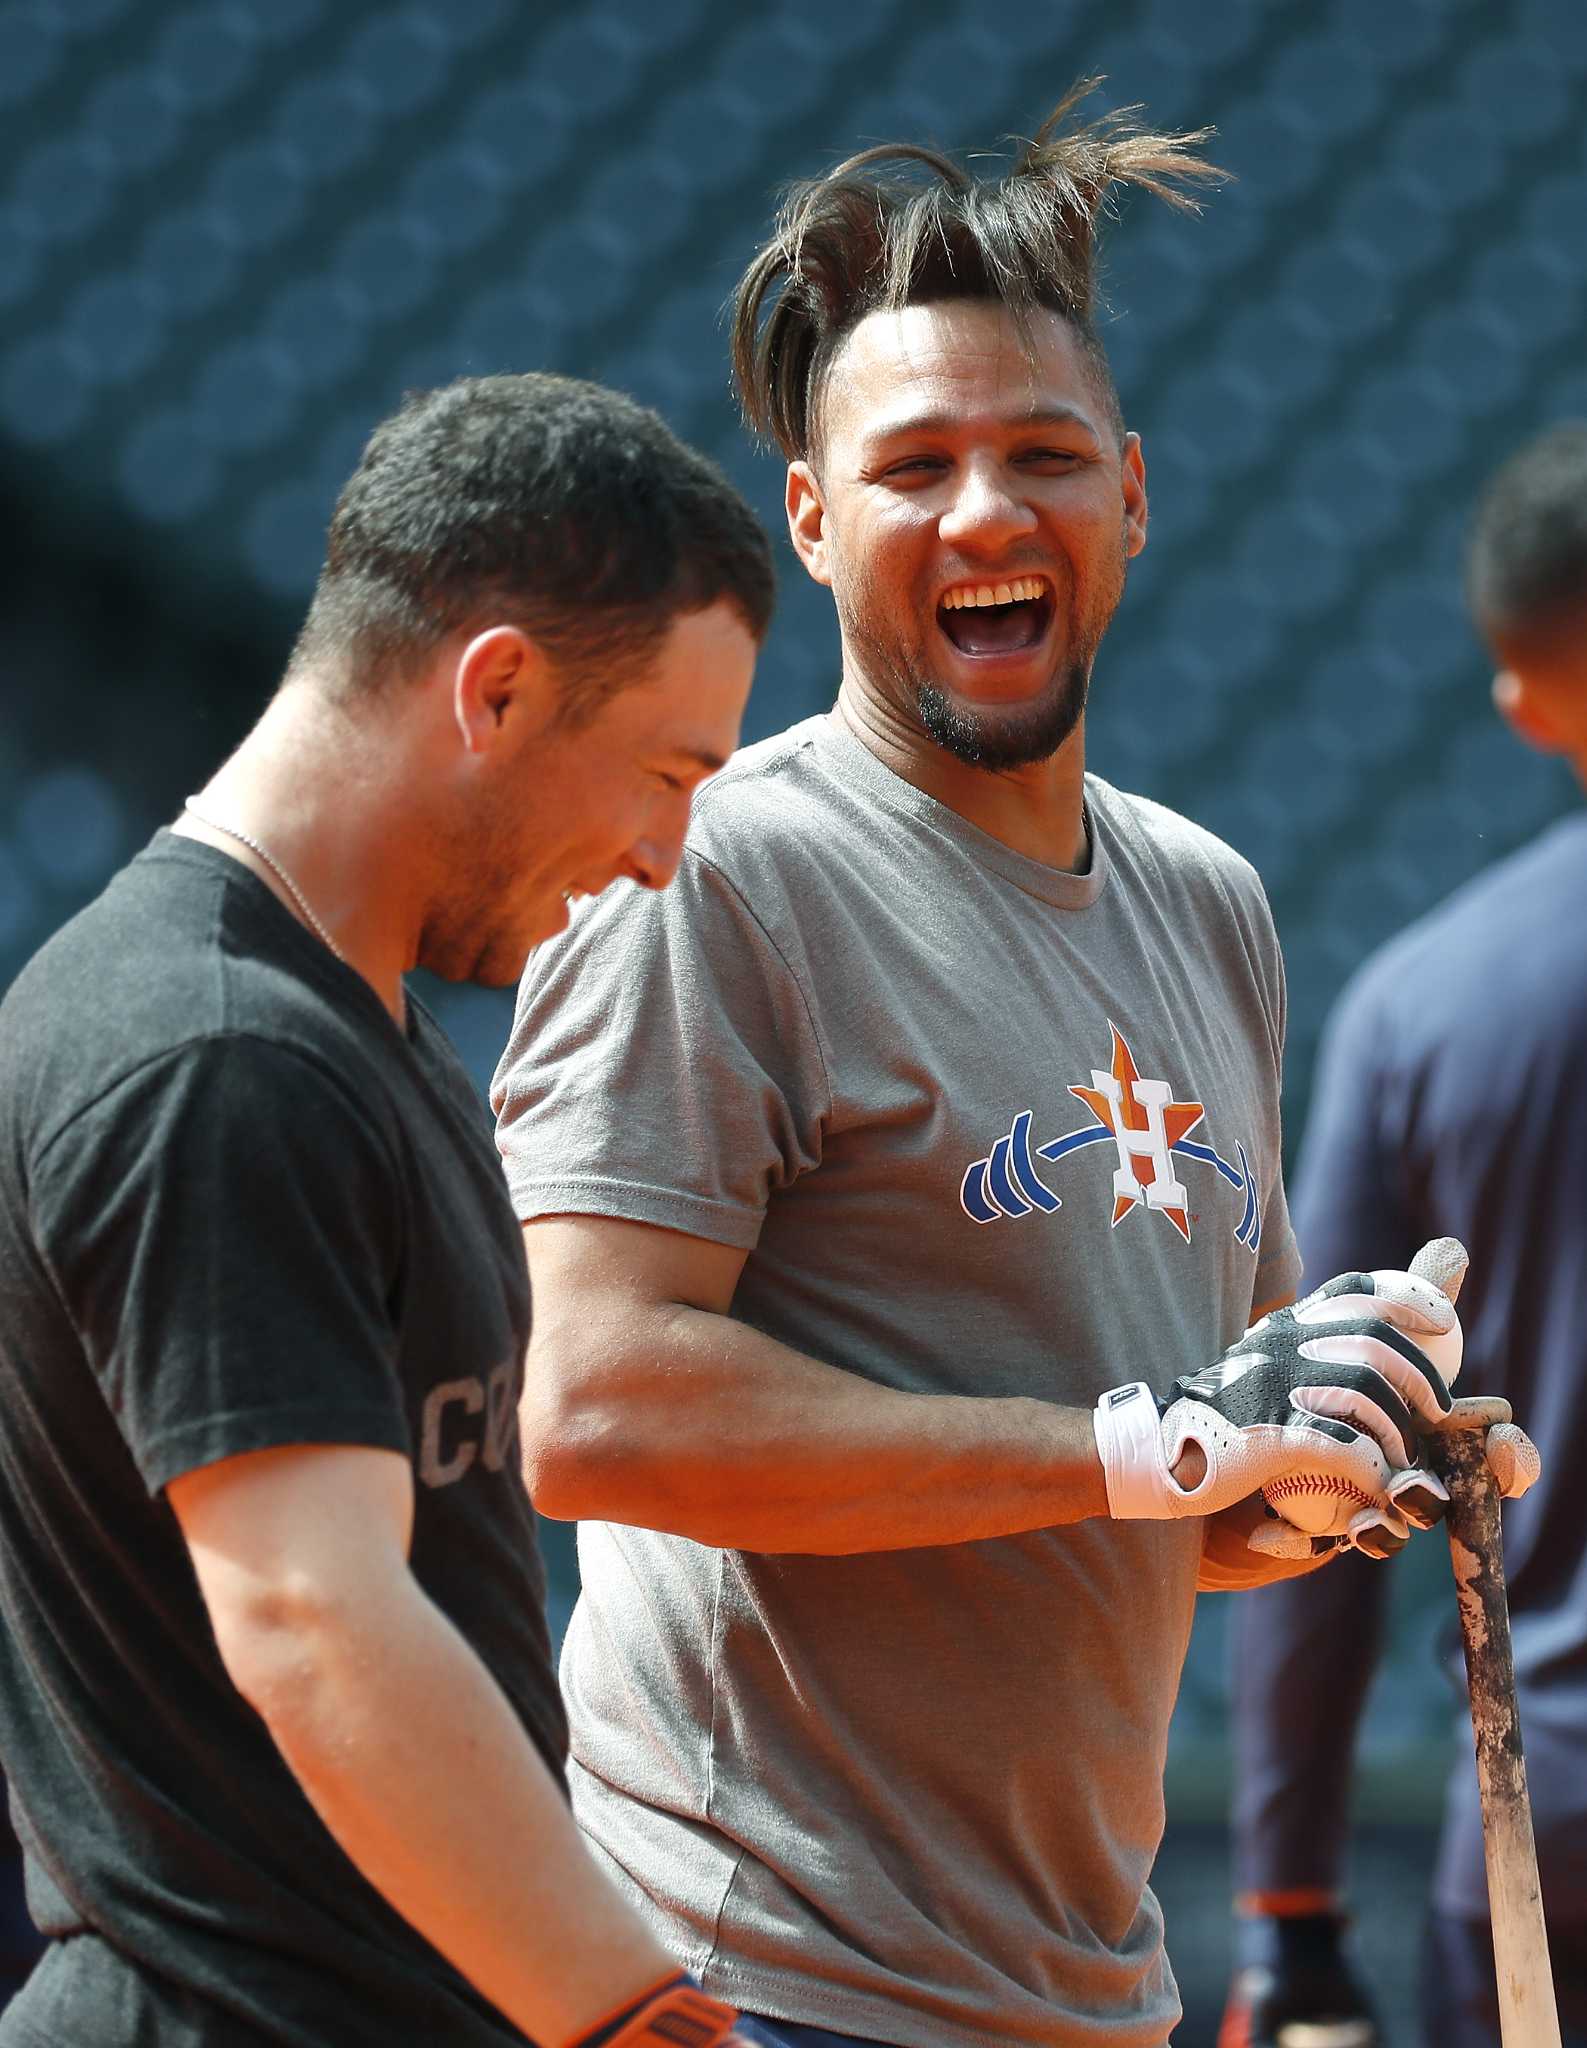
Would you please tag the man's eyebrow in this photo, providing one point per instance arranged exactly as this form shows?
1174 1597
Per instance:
947 422
702 757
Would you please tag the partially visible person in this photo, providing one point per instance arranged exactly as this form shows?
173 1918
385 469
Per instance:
1451 1096
277 1709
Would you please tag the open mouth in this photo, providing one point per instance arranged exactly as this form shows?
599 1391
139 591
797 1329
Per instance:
996 618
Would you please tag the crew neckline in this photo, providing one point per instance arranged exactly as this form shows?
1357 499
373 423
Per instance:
848 754
180 846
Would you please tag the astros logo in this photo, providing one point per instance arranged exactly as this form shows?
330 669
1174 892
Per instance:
1148 1128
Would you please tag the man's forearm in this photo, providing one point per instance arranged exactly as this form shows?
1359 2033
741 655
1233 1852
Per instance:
412 1757
695 1423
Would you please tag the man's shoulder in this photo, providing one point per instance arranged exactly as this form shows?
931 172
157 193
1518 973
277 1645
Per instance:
771 814
148 980
780 778
1539 882
1173 842
1498 932
112 988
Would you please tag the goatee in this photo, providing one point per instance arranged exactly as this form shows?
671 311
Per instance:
1011 738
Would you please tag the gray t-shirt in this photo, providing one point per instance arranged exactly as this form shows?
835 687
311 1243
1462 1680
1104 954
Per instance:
913 1795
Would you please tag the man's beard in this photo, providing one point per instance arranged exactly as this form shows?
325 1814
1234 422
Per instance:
990 736
985 736
1011 736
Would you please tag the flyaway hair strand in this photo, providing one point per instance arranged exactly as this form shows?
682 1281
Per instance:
902 224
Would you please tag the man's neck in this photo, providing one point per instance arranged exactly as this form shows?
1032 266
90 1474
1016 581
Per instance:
304 791
1037 810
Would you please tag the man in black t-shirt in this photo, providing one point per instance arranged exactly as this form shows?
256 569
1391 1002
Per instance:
276 1702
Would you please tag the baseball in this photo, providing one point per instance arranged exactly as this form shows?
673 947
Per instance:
1315 1502
1445 1353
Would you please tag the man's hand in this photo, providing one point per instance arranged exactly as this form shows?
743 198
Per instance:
399 1735
1414 1499
1333 1386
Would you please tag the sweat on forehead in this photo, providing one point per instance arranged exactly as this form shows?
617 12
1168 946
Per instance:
931 365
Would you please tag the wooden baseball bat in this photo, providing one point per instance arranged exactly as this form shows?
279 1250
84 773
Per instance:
1458 1453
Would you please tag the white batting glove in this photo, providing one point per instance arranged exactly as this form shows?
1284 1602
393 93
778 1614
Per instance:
1333 1387
1414 1499
1513 1459
1379 1531
1420 1497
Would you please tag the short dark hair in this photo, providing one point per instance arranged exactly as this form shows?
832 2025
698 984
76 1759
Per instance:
1526 569
857 241
538 501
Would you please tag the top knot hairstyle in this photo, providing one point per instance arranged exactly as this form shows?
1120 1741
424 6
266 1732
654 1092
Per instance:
863 239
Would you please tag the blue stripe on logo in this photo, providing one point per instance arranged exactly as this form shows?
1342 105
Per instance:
972 1194
1055 1148
1004 1193
1023 1167
1208 1157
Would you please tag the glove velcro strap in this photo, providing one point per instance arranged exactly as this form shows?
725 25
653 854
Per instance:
678 2014
1129 1433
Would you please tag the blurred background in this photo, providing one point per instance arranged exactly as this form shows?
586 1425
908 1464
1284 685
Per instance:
233 232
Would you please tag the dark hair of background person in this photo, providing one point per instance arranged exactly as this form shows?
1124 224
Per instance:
533 500
1526 572
857 241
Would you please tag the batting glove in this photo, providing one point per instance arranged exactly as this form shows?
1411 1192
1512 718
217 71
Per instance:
1413 1499
1332 1387
1513 1459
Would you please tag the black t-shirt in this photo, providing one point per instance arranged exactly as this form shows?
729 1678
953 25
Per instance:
238 1208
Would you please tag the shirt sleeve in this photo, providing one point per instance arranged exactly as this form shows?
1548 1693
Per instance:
223 1229
664 1065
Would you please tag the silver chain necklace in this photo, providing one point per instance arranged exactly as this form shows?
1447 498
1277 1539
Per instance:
190 805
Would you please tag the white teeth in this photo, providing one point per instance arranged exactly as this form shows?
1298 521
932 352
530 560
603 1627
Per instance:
1023 590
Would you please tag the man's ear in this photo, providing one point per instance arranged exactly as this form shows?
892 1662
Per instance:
1133 468
502 679
807 521
1527 712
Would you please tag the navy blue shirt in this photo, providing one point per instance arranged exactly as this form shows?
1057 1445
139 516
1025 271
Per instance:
1451 1099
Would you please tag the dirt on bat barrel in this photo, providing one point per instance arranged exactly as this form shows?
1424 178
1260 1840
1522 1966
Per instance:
1473 1522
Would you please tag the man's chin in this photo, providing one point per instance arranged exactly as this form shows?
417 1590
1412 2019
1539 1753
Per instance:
494 960
497 968
1003 736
